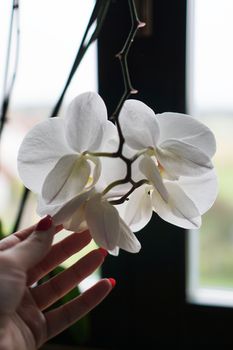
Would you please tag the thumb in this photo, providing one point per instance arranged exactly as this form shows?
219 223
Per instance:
34 248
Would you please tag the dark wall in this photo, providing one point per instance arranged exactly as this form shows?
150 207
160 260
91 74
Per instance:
148 308
147 304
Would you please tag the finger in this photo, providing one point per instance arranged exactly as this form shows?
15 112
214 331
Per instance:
64 316
15 238
59 253
51 291
33 249
20 236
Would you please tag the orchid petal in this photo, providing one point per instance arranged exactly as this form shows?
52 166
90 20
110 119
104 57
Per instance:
139 125
103 222
187 129
67 179
96 171
110 140
86 119
77 221
112 169
203 190
40 151
150 170
47 209
180 209
179 158
114 251
127 240
138 209
63 213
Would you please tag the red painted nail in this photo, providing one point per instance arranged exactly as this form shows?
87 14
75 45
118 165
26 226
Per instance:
103 251
112 281
44 224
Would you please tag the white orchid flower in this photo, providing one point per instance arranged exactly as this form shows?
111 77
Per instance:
108 229
53 162
168 156
93 211
189 198
181 145
53 159
178 150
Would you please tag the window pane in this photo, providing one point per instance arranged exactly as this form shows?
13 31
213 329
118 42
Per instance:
210 98
50 35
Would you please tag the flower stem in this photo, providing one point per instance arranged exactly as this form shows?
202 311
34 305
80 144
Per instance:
7 92
99 13
100 154
114 184
141 153
125 197
136 24
128 90
123 55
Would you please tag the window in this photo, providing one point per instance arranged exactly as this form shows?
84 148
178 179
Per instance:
149 304
48 45
210 98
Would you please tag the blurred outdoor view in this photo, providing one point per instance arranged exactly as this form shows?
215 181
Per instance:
50 35
210 99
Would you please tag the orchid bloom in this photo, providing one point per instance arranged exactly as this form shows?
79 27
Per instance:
53 159
188 199
177 163
93 211
75 167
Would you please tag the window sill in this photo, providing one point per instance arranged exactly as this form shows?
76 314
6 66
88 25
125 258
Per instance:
211 297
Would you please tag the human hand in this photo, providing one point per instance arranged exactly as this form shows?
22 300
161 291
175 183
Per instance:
25 257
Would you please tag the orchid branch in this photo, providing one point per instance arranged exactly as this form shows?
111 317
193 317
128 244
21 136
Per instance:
136 24
7 91
125 197
98 15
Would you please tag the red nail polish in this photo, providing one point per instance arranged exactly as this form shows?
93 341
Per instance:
112 281
44 224
103 251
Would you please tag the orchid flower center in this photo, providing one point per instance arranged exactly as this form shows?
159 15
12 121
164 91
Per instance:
152 154
161 169
90 181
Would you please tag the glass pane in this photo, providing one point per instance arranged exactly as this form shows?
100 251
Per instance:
50 35
51 32
210 98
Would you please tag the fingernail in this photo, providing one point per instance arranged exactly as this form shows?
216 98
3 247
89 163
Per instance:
112 281
44 224
103 251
